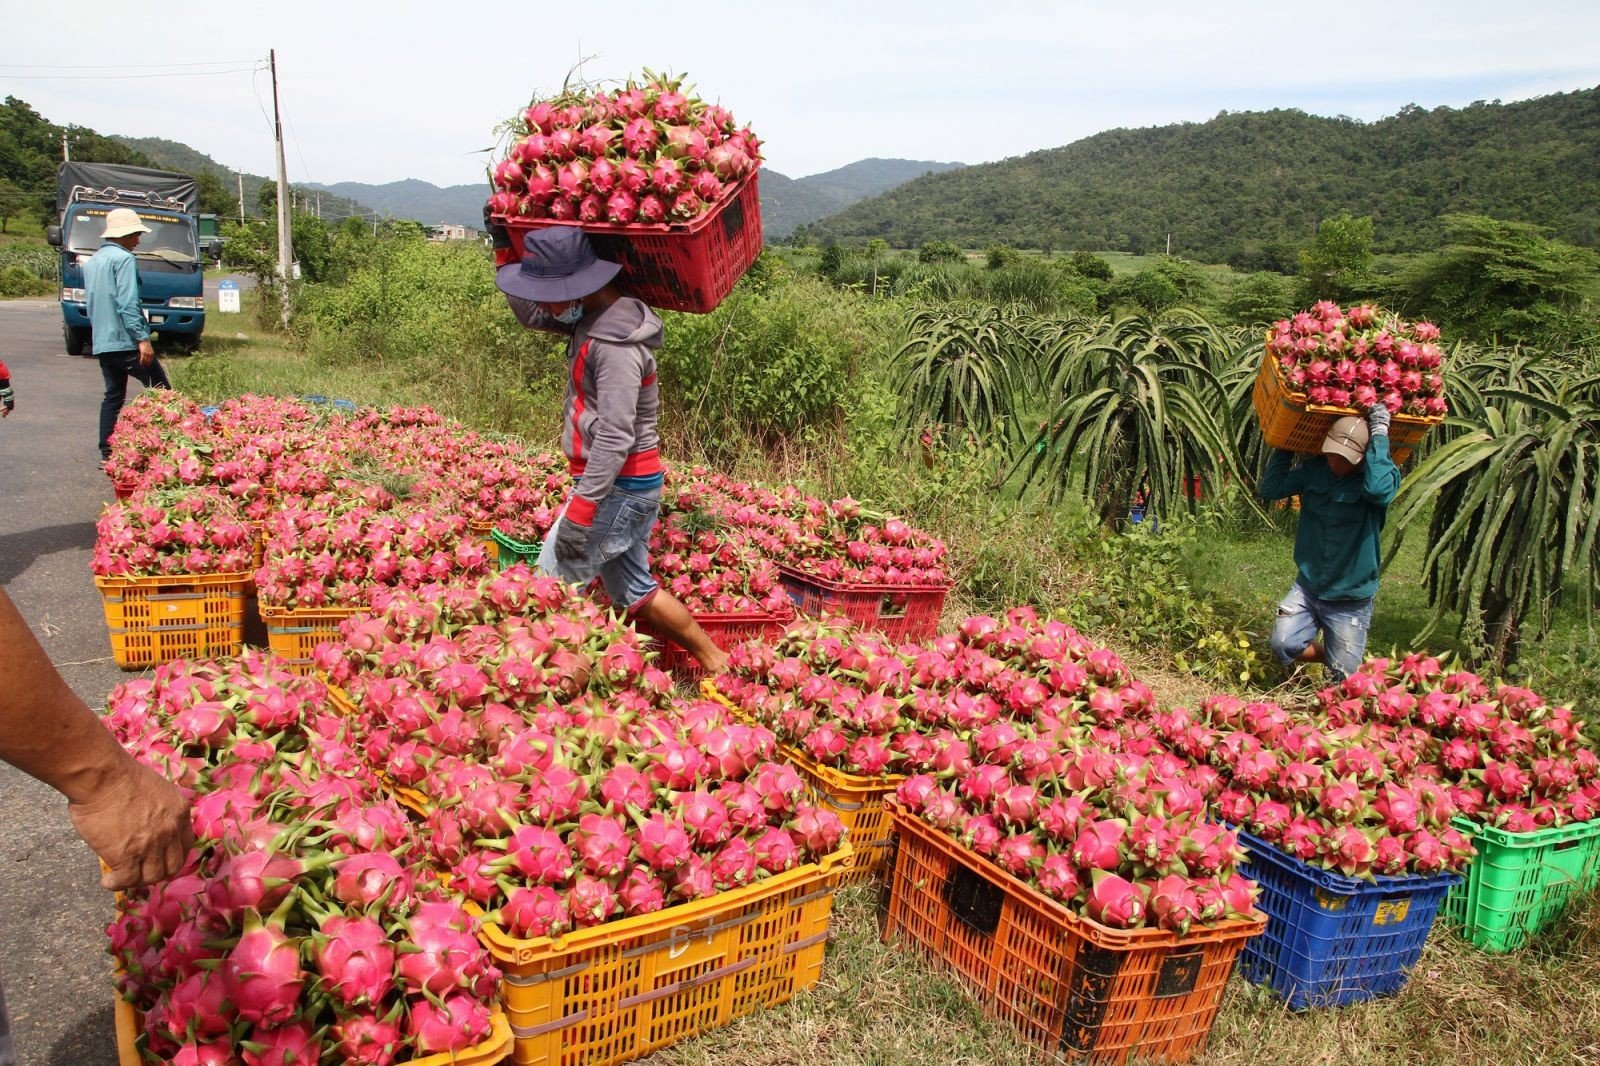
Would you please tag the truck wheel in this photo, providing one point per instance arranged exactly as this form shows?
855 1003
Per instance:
76 339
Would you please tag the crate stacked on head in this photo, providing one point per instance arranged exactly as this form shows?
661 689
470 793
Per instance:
646 870
1329 362
663 182
1524 778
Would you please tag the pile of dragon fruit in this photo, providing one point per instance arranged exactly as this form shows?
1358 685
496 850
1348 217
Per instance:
646 153
566 784
1360 357
837 541
1023 740
198 530
306 924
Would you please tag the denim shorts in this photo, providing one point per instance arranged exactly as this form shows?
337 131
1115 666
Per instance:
619 544
1344 625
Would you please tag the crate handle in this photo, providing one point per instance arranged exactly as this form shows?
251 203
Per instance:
894 605
975 900
1180 972
1567 845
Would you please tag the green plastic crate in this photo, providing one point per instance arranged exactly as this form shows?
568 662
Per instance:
1521 882
513 552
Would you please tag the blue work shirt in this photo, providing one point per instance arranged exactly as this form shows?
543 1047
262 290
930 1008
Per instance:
111 288
1336 546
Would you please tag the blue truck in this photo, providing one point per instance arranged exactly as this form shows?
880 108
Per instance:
171 257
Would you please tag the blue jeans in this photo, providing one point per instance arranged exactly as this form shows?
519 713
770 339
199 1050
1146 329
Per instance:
116 368
1344 625
619 544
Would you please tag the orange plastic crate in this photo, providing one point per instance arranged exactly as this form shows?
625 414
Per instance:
293 633
1073 986
153 620
495 1049
616 992
685 266
1290 423
857 800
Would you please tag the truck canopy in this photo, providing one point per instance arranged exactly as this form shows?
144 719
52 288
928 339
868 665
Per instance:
135 182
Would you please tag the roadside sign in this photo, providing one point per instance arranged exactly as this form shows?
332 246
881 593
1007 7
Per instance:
228 295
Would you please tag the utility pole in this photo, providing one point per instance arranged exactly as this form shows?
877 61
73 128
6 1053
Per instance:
241 197
1169 243
66 155
285 247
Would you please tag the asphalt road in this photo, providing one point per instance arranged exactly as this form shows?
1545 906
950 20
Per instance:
52 910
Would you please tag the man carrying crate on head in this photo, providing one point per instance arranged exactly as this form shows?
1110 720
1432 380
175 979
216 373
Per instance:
1344 498
608 431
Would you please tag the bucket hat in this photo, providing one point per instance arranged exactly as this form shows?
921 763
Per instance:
121 221
1347 437
558 264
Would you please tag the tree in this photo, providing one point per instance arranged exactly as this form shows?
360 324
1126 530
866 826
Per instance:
1150 290
13 201
1001 255
1258 299
215 197
1501 281
940 252
1091 266
1338 265
267 199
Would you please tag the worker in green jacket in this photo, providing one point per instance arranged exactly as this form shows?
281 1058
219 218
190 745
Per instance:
1345 494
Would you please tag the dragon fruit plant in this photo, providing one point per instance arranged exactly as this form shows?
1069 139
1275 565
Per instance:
1360 357
305 925
1349 799
646 153
1505 755
173 532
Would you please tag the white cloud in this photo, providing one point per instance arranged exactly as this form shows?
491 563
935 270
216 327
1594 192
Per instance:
382 91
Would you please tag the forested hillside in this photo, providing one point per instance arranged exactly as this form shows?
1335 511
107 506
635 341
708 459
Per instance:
1248 187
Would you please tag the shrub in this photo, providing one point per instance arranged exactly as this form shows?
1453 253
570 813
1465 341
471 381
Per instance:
940 252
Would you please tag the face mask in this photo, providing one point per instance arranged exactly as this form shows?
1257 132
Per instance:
571 315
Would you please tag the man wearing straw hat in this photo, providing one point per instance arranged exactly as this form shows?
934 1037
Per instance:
1344 497
608 429
121 334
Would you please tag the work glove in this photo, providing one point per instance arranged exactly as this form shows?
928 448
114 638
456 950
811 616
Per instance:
8 401
1378 420
572 541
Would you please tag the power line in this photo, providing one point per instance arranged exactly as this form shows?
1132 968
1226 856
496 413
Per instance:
124 77
127 66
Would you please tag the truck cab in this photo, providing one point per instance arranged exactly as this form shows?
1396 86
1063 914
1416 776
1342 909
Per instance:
170 257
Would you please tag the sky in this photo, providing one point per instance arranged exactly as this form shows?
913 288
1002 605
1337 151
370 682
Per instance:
377 92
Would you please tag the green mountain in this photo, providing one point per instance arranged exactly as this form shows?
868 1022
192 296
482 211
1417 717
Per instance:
173 155
423 201
30 152
1245 185
789 202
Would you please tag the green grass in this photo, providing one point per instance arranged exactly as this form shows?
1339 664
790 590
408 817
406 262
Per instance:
1128 263
878 1005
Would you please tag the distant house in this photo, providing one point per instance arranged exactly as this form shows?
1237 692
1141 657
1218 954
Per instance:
449 231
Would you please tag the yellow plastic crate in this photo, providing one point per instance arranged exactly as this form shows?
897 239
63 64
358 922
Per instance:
293 633
857 800
153 620
619 991
495 1049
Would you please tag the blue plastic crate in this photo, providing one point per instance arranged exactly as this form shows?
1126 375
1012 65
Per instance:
1332 940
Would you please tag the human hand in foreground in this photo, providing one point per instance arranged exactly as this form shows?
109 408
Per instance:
138 823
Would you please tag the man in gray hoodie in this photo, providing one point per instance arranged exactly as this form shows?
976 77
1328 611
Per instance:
608 429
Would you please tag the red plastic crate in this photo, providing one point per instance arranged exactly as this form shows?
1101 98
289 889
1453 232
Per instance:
899 612
725 630
687 266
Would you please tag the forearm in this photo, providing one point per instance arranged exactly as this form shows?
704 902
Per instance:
45 730
1282 478
533 316
1381 482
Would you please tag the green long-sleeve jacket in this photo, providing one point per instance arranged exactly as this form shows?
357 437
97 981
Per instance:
1336 546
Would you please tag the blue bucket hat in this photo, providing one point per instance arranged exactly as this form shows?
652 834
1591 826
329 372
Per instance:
558 264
